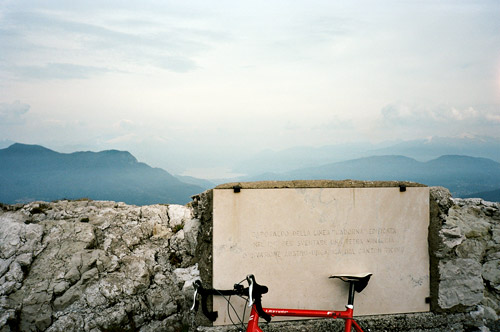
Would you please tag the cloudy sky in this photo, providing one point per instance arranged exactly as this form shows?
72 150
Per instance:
212 79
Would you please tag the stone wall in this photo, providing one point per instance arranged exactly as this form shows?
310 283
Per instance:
105 266
465 255
96 266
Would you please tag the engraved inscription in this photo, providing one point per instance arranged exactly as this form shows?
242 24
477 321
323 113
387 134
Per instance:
325 242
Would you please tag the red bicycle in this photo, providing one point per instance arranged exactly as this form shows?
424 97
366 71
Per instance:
254 292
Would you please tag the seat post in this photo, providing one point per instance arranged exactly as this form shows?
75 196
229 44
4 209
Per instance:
350 300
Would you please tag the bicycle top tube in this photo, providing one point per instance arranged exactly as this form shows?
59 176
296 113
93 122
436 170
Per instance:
357 282
346 315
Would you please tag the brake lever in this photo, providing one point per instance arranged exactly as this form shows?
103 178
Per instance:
194 298
250 289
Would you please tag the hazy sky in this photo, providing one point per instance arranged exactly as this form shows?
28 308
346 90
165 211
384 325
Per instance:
167 79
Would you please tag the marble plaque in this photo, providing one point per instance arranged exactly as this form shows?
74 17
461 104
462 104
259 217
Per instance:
292 239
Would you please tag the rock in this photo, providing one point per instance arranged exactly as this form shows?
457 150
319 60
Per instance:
492 301
477 317
4 265
69 297
18 238
451 237
191 227
110 286
5 317
442 197
68 323
187 276
490 314
469 221
60 287
92 266
178 215
491 273
472 248
114 318
136 275
461 283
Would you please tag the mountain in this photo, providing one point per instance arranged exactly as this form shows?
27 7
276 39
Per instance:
5 143
33 172
462 175
299 157
422 150
492 195
205 184
433 147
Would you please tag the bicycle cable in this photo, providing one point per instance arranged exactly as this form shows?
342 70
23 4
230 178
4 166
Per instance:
240 319
230 306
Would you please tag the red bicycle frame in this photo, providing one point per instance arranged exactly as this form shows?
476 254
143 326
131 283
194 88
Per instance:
347 315
255 291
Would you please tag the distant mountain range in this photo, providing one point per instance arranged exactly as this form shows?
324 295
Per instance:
464 176
421 150
434 147
491 196
32 172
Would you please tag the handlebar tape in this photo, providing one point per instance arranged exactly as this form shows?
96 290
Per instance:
238 290
258 307
205 292
211 315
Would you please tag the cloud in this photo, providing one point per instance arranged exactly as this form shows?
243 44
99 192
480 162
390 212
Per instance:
125 125
494 118
131 137
13 114
68 44
62 71
404 114
176 64
447 119
335 123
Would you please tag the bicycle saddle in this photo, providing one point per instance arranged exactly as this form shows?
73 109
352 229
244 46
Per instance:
360 280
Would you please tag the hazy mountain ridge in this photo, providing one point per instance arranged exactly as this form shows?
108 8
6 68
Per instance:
463 175
420 149
433 147
206 184
492 196
33 172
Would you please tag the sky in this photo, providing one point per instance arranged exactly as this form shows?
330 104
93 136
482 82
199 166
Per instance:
190 85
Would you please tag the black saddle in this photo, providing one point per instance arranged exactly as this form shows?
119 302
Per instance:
359 280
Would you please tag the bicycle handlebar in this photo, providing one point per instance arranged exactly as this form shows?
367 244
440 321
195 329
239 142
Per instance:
254 292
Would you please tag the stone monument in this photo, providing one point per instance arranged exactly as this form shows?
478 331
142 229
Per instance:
293 235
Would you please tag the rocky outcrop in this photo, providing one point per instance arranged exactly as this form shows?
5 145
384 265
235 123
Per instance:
465 255
96 266
106 266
